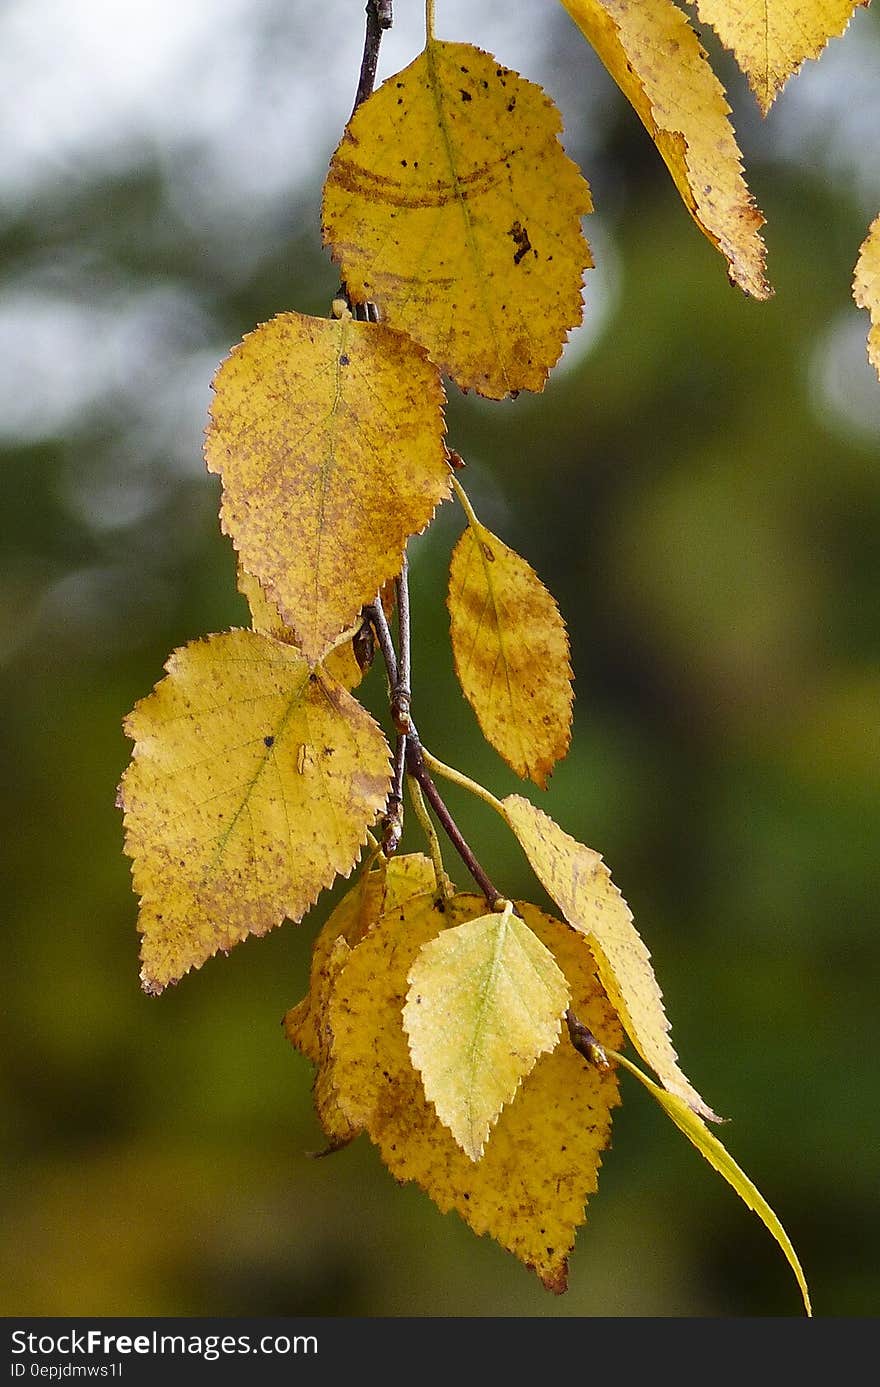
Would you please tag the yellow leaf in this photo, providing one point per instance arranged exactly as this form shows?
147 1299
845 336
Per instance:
542 1158
353 916
511 653
580 884
866 288
771 38
451 204
660 66
251 786
337 1128
709 1146
340 662
485 1000
328 434
409 878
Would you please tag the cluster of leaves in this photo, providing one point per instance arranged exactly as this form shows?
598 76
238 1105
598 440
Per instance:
451 1027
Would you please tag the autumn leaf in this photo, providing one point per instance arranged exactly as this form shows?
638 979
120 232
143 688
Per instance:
866 288
771 38
451 204
660 66
541 1161
356 912
336 1126
307 1025
485 1000
328 435
511 653
251 786
580 884
709 1146
340 662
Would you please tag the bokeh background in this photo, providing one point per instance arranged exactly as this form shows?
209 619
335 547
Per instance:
699 485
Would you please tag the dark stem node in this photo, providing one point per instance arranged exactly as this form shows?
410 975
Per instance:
585 1042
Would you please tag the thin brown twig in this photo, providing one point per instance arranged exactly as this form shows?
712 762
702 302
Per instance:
417 768
375 614
415 762
379 18
402 695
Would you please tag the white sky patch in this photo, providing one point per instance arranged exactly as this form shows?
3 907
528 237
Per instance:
261 88
844 383
829 114
64 355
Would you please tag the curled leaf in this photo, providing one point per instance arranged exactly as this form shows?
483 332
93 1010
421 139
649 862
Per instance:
580 884
660 66
709 1146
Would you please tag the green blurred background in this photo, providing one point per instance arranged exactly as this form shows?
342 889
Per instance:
699 487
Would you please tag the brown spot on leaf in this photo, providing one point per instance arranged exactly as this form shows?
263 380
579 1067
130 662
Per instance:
520 237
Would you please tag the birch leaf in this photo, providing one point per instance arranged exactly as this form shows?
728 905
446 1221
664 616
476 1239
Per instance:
328 435
485 1000
580 884
451 204
866 288
542 1158
511 653
354 915
771 38
660 66
709 1146
340 662
252 784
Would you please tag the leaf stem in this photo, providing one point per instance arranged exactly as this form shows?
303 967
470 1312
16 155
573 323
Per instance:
416 766
379 18
416 760
402 693
464 502
429 21
420 809
464 782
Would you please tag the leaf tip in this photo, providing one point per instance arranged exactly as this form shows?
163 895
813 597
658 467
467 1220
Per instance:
150 985
557 1279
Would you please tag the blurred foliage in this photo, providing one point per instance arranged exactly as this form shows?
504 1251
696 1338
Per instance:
699 488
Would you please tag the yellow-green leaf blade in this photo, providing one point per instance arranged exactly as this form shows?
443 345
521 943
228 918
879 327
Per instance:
580 884
771 38
709 1146
866 288
251 786
542 1158
511 653
328 435
486 998
451 204
660 66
